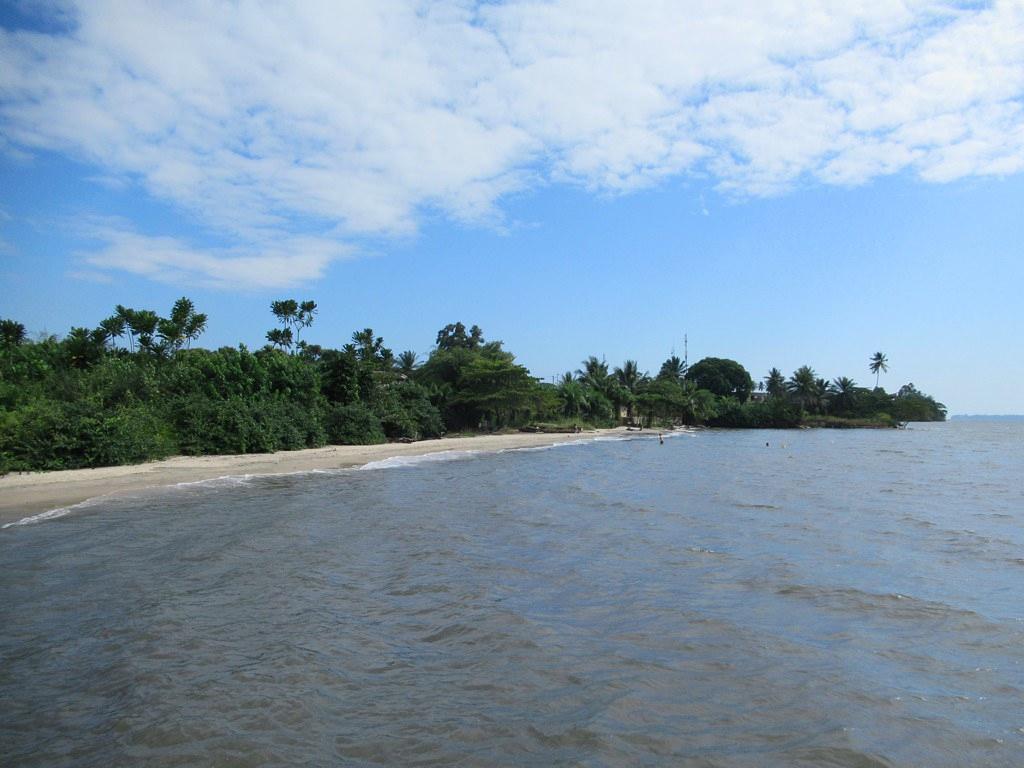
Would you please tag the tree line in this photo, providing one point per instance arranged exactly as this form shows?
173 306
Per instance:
135 388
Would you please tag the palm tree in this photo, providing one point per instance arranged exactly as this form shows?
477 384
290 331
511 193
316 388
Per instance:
673 369
844 390
113 328
574 396
280 337
83 347
127 316
12 333
803 386
594 373
183 326
625 382
407 362
143 324
775 383
629 376
696 405
304 317
878 364
368 347
822 394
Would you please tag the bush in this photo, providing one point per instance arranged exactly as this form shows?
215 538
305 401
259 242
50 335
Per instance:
53 435
259 424
774 413
286 424
406 411
205 425
353 425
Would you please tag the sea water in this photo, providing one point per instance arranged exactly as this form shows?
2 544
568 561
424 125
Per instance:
727 598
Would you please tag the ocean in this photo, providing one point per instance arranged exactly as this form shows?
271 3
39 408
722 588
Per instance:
727 598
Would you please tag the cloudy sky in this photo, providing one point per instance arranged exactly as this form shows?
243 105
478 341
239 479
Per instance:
785 183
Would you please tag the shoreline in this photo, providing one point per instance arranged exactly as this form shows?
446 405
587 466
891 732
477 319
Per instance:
32 493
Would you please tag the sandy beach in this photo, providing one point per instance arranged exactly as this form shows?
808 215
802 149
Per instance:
26 494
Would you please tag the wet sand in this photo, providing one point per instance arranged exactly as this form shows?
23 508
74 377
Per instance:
26 494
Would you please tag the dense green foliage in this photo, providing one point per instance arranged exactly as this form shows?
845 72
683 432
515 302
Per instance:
725 378
134 389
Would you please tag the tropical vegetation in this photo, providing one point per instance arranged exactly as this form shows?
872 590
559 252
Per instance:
137 387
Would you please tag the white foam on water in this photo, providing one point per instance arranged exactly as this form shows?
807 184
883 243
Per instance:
53 514
548 447
397 462
229 481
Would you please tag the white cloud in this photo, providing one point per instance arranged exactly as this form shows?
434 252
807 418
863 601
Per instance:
274 263
353 118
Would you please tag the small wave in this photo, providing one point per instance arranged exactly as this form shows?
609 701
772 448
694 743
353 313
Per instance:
893 605
51 514
228 481
755 506
531 448
396 462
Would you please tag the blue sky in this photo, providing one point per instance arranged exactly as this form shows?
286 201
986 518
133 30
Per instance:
801 186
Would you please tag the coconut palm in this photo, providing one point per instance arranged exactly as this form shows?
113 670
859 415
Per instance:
844 392
574 396
12 333
673 369
594 373
878 365
822 395
775 383
629 376
803 386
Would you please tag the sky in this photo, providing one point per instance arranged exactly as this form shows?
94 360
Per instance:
782 183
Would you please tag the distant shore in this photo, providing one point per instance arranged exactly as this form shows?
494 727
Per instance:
25 494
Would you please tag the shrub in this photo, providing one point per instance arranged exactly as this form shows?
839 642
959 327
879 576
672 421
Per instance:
52 435
353 425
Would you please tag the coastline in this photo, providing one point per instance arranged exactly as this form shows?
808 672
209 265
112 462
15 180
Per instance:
27 494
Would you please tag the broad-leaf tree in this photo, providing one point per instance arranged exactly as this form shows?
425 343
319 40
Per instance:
723 377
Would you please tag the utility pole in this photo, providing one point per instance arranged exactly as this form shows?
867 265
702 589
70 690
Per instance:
686 352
